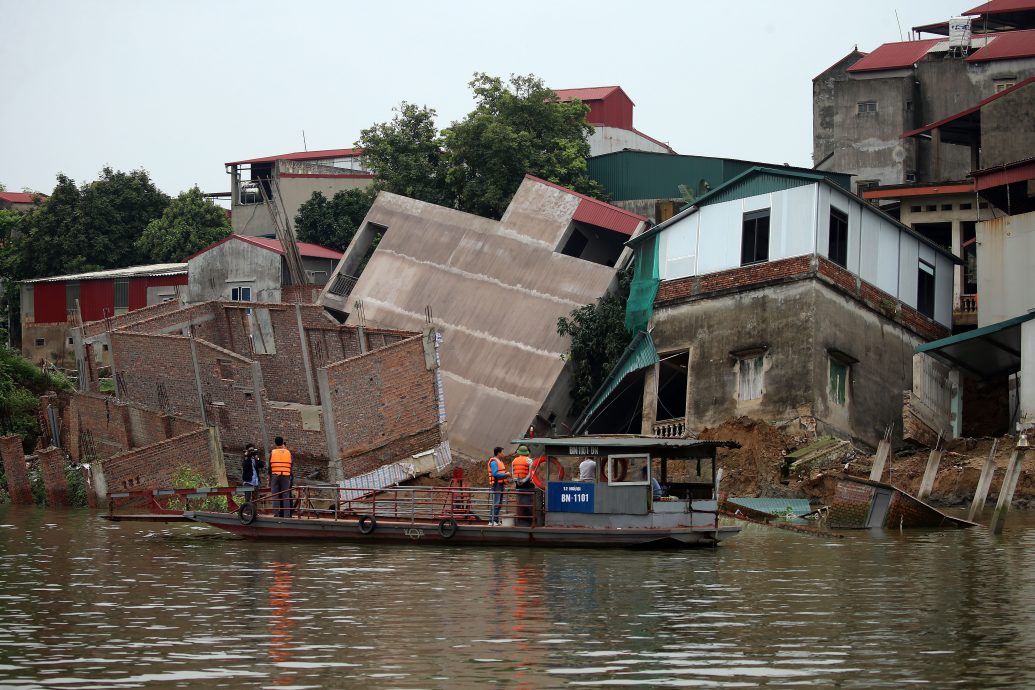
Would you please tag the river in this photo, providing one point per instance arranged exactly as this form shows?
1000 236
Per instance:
89 604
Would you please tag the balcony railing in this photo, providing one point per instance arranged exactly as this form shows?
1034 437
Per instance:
967 303
669 428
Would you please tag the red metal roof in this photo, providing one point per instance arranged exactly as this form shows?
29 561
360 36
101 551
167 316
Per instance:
593 93
895 55
1005 46
304 248
1018 171
599 213
20 197
997 6
972 109
303 156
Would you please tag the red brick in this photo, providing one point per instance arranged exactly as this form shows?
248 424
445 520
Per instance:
14 469
52 467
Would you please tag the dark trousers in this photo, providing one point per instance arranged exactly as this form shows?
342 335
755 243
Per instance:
281 484
497 499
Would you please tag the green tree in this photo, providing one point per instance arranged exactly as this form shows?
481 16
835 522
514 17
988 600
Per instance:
89 228
598 339
21 384
406 155
516 128
189 223
332 223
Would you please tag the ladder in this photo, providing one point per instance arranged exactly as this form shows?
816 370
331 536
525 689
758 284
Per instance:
285 233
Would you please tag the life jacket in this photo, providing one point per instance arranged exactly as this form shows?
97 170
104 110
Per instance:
280 461
521 466
501 467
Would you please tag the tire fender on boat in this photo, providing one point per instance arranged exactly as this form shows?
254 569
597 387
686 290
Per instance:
247 513
447 527
558 470
367 523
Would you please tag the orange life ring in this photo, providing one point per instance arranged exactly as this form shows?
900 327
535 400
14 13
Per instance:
623 469
558 468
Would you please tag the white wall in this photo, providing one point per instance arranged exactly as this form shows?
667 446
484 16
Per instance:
610 139
1006 267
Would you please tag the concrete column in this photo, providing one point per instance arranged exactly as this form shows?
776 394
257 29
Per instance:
52 467
14 469
330 429
936 154
197 379
650 400
257 387
1002 506
927 483
984 483
304 342
881 459
1026 394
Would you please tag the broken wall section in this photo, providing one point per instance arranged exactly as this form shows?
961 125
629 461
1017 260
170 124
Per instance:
156 466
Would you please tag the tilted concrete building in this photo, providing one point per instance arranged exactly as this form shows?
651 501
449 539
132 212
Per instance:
780 296
495 289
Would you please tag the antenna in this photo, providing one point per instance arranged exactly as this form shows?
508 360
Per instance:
304 146
899 26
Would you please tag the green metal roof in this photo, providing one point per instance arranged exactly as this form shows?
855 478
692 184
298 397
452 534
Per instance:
668 447
775 506
638 354
989 352
649 175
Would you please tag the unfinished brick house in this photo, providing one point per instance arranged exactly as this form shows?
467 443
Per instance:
346 399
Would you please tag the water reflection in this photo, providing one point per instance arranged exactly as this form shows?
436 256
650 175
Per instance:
87 604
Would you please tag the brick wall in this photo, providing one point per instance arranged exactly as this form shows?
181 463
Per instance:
15 471
695 286
851 505
156 371
156 465
384 405
301 294
52 467
137 315
98 426
308 446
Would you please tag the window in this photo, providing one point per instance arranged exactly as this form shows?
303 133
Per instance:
910 177
750 370
838 248
915 209
866 107
628 470
1003 85
317 277
931 207
966 206
241 294
40 342
121 295
71 297
838 381
672 379
754 246
925 289
946 207
71 341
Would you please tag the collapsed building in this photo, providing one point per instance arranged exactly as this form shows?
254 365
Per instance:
194 383
496 290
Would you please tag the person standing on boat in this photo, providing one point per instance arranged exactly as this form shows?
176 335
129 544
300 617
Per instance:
588 470
521 468
251 467
281 468
498 477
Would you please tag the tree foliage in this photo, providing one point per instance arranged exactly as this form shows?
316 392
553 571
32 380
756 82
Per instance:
598 339
517 127
86 228
333 222
189 223
21 384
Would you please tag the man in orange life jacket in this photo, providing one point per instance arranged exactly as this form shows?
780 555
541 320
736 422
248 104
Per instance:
521 468
281 468
498 477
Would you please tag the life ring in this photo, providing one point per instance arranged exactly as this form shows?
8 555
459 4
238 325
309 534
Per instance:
247 513
539 483
367 523
447 527
623 469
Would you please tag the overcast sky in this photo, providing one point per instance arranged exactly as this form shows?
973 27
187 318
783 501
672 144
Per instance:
179 88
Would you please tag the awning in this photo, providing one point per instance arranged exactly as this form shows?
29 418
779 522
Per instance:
990 352
639 354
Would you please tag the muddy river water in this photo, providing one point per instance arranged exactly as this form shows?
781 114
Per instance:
89 604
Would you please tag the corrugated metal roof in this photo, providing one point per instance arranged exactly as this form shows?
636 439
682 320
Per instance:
304 248
998 6
21 197
1006 46
130 272
593 93
990 352
648 443
596 212
1017 171
775 506
894 55
972 109
303 156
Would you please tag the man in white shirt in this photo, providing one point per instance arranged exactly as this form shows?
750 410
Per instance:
588 470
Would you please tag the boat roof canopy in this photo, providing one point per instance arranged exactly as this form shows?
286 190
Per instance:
628 443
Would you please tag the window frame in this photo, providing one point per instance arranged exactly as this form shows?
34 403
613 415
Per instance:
755 356
926 298
750 224
837 388
841 217
866 107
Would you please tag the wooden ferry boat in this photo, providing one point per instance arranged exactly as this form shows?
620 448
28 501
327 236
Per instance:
621 506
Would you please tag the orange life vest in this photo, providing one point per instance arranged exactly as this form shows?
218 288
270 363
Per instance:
280 461
521 466
501 467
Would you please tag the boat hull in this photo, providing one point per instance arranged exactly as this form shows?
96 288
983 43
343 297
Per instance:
266 527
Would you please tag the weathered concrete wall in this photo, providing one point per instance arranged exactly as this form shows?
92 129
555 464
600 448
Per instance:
54 348
1003 138
15 471
213 274
255 220
495 289
1005 265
